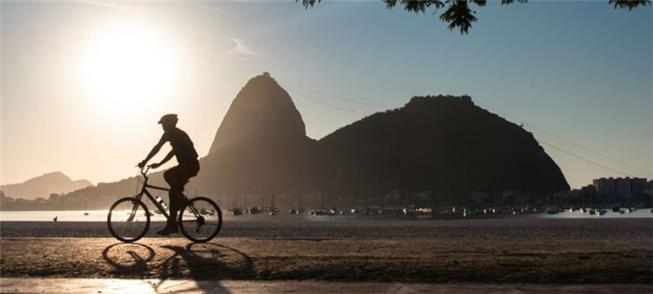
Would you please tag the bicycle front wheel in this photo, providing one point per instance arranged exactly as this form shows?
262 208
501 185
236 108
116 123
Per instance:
200 220
128 219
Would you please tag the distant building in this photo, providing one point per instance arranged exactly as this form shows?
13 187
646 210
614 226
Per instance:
613 190
582 193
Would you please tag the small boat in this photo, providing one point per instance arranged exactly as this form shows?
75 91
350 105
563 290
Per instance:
409 211
321 211
253 210
85 213
424 212
272 210
236 211
601 211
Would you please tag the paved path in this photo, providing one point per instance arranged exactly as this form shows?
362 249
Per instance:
104 286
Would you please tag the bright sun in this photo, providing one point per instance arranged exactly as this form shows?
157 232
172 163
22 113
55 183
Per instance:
127 68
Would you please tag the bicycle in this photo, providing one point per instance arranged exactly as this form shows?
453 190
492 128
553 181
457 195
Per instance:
199 219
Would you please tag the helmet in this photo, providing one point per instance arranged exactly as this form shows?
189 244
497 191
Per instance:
169 119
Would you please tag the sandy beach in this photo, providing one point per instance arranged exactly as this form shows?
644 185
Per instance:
481 251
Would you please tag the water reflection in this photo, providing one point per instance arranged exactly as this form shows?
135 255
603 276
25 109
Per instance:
346 216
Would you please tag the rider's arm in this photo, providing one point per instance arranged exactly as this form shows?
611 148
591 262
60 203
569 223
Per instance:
165 159
155 150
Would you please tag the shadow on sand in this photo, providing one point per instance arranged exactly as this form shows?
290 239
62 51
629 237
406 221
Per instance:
196 261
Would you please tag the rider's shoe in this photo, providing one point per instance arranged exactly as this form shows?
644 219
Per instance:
167 231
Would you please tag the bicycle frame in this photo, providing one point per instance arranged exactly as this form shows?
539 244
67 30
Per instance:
152 199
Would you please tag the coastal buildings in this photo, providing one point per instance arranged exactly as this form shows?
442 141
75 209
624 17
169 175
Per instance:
619 190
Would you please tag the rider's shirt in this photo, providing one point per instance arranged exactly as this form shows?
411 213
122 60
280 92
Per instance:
182 146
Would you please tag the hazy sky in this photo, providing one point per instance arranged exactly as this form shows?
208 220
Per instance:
83 83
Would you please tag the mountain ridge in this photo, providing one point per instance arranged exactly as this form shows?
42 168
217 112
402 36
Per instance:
261 113
44 185
441 144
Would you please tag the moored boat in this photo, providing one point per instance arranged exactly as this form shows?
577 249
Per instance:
236 211
552 210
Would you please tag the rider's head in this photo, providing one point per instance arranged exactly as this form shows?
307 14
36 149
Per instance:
168 121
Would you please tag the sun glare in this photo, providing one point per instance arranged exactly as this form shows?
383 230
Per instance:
126 68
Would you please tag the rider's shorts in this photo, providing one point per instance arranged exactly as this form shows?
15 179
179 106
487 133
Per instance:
179 175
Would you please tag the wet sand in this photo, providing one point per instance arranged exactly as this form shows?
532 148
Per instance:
458 251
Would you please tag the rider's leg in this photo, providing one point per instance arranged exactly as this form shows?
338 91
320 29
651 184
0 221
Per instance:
172 178
175 203
177 177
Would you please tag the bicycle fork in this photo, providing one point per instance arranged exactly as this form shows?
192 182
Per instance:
133 213
134 210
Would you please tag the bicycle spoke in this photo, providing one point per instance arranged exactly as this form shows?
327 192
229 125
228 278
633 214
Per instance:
128 219
201 219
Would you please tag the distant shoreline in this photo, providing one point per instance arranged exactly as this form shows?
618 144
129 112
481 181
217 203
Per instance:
278 228
359 217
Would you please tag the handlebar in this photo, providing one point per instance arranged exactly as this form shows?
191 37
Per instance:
145 169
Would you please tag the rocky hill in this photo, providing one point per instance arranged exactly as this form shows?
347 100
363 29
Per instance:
436 143
261 145
440 144
261 114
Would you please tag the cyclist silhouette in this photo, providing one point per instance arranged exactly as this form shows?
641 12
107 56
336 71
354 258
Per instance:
188 166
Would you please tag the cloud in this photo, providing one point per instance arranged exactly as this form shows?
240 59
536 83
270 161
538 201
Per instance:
240 50
105 4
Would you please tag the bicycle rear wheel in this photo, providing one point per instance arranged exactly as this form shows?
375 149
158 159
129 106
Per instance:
200 219
128 219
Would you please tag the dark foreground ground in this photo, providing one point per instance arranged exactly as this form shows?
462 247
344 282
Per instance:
568 251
